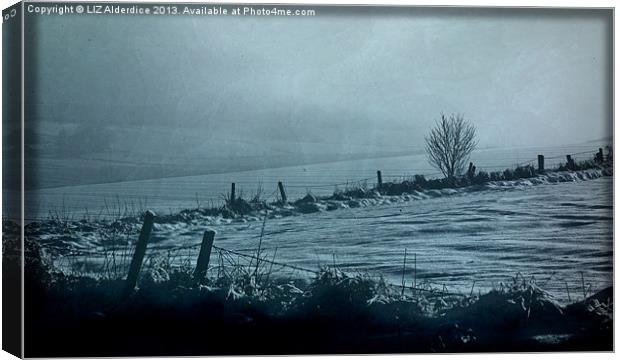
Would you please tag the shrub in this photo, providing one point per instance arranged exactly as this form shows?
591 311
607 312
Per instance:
481 178
527 171
496 176
420 180
508 174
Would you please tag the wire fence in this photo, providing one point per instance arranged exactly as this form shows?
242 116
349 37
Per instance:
424 286
134 203
68 257
73 252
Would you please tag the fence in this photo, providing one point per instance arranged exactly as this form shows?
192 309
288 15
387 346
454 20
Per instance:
203 260
279 194
283 191
540 163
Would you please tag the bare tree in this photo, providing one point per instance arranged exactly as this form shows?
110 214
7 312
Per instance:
450 143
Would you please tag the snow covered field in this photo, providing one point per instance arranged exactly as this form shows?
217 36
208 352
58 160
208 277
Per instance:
543 228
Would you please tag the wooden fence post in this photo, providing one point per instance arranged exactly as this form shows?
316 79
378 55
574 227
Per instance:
138 255
471 171
205 254
232 194
570 162
282 193
379 179
541 163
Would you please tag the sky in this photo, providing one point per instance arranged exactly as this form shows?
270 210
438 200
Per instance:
345 81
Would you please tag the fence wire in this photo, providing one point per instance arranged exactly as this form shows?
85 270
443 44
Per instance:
133 203
73 252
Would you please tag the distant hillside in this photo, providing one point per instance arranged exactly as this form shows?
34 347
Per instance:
50 171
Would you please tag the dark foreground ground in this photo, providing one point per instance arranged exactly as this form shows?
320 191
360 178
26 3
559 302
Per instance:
249 311
204 323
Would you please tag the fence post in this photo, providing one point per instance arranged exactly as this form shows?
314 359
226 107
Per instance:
138 255
541 163
282 193
205 254
232 194
569 162
379 179
471 171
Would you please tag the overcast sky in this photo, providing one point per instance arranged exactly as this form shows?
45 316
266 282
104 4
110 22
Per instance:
355 77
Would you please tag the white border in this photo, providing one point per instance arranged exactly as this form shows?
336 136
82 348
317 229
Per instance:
482 3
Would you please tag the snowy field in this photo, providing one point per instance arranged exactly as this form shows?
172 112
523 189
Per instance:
471 237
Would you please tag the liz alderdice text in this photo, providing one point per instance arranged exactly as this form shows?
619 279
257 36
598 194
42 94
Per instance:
166 10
